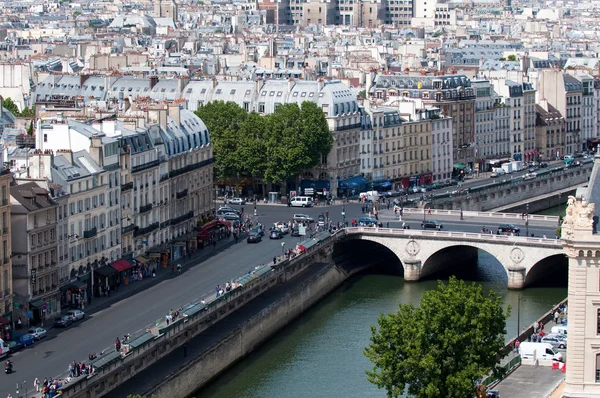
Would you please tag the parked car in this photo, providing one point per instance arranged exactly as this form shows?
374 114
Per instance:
14 346
555 341
558 336
37 333
303 218
275 234
63 321
237 201
227 209
254 237
230 217
431 224
543 165
510 228
24 339
494 175
258 231
77 315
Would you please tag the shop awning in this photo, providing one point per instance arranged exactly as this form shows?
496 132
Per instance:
77 284
315 184
105 271
141 259
37 303
382 184
121 265
4 322
353 182
459 166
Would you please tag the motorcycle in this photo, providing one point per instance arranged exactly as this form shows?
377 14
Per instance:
8 368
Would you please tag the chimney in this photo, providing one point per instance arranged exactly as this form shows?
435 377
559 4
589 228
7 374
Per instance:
67 153
291 84
259 84
175 112
544 104
153 81
181 83
213 82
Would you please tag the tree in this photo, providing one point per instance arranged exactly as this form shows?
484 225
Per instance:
27 112
30 129
512 57
9 104
441 348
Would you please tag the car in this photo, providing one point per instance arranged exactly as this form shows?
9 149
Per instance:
237 201
275 234
228 209
415 189
431 224
555 341
230 217
37 333
63 321
24 339
254 237
494 175
77 315
295 230
543 165
533 169
367 221
321 220
510 228
14 346
557 335
530 176
283 228
258 231
303 218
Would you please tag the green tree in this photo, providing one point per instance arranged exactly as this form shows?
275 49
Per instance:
441 348
9 104
512 57
30 129
223 120
27 112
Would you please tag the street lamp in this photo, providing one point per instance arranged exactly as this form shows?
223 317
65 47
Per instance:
344 214
527 220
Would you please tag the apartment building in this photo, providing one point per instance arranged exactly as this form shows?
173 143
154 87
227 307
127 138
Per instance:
441 147
387 149
34 252
550 131
452 94
485 124
502 135
565 93
6 281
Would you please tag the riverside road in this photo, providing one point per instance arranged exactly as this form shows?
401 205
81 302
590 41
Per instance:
51 356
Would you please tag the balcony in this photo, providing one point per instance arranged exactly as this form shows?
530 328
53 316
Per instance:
90 233
349 127
145 166
145 208
182 194
165 224
126 187
190 167
127 229
146 230
185 217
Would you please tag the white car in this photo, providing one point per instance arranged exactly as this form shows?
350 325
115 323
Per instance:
237 201
283 228
37 333
303 218
76 315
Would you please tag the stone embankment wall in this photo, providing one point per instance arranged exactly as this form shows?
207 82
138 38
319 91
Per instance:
506 191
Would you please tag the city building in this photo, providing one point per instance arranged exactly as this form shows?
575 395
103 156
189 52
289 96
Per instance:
34 252
6 270
549 132
485 123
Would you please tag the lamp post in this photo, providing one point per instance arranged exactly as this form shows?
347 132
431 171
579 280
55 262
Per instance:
527 220
344 214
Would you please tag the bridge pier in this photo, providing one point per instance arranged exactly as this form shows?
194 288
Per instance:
516 277
412 270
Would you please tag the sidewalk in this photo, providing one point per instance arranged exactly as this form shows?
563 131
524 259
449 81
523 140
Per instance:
199 256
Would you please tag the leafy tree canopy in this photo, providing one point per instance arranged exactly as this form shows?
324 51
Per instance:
10 105
441 348
512 57
276 147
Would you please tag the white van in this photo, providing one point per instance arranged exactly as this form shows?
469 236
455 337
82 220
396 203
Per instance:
4 350
533 351
369 196
301 201
559 330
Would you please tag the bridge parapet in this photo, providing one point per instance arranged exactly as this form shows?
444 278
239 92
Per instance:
506 217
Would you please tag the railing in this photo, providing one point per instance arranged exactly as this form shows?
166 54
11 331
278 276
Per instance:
126 186
165 224
128 229
185 217
182 194
145 166
190 167
449 234
146 230
482 214
145 208
90 233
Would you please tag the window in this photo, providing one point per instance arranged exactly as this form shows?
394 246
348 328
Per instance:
597 368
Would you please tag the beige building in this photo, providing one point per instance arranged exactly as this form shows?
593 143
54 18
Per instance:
6 281
34 252
549 132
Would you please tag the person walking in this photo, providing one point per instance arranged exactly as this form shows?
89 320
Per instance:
36 384
556 316
517 344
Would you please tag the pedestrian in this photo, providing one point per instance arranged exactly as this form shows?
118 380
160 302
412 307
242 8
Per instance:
36 384
215 244
517 344
185 350
274 260
556 316
19 323
118 344
173 268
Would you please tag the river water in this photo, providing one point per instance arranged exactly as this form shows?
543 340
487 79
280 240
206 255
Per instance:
321 353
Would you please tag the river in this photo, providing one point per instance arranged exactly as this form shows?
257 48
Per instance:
321 353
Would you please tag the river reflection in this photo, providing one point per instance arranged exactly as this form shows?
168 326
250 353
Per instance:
321 353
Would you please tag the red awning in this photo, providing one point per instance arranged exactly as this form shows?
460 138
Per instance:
121 265
224 223
4 322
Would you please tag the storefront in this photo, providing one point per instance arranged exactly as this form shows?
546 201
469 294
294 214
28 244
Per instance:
73 294
212 232
159 256
352 186
5 327
104 277
124 272
42 309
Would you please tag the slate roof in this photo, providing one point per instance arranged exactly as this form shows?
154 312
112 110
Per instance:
31 196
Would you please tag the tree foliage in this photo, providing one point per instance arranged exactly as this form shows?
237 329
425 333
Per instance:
276 147
10 105
441 348
512 57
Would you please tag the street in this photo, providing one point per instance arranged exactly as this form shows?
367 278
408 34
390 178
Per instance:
98 331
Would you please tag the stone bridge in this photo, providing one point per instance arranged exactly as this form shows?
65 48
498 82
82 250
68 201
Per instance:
424 252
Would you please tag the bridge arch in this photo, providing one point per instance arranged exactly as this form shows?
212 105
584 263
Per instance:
463 258
356 255
552 270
